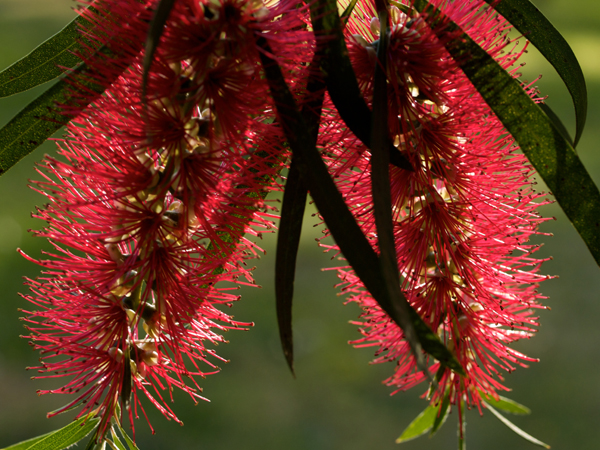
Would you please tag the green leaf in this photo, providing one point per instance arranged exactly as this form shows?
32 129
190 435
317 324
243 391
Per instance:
508 405
128 440
515 428
32 126
382 200
59 439
115 443
443 413
346 232
560 127
341 81
421 425
24 445
157 26
348 11
41 118
49 60
130 444
292 213
541 33
552 156
288 241
401 6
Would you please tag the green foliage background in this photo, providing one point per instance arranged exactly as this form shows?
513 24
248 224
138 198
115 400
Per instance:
337 400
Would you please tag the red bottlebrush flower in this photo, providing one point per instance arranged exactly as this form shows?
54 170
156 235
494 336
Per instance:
462 218
151 199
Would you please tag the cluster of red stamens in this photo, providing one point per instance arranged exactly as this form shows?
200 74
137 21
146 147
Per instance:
159 180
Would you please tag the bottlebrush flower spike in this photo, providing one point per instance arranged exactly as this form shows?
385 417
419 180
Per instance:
462 218
149 204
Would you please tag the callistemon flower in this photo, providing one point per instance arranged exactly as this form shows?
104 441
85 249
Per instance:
461 218
149 204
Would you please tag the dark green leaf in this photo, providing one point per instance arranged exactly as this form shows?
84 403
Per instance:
125 393
340 79
41 119
292 212
560 127
442 414
157 26
541 33
515 428
440 373
348 11
288 240
508 405
552 156
59 439
421 425
382 200
48 60
339 219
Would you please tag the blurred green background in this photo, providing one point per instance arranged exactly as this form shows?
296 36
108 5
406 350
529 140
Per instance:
337 400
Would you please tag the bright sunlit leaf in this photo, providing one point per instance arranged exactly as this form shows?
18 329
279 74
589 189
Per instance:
515 428
59 439
508 405
421 425
443 412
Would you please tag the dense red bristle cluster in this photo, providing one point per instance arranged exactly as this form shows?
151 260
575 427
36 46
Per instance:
462 218
156 186
150 200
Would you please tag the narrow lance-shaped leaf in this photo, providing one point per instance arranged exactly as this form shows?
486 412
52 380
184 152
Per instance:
560 127
155 31
41 118
292 213
127 439
339 219
526 18
348 11
442 413
24 445
508 405
380 186
421 425
340 79
515 428
288 241
59 439
47 61
552 156
115 443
